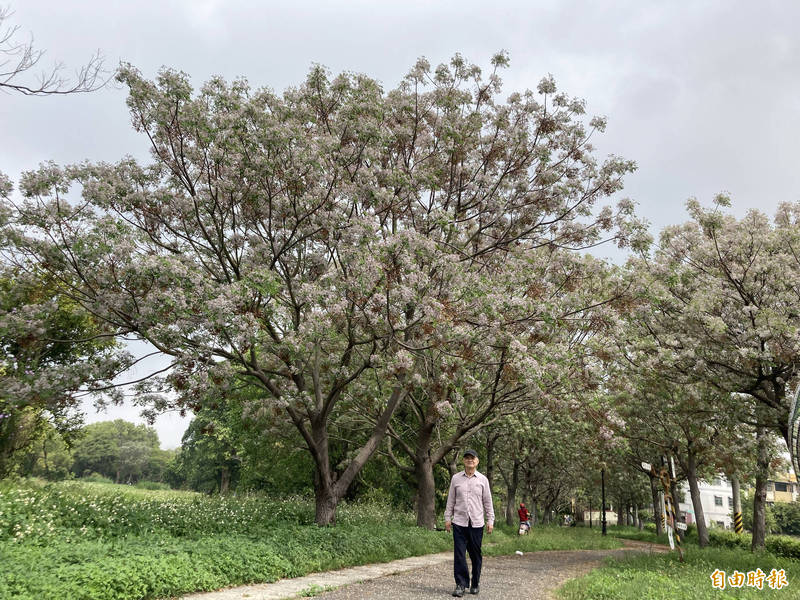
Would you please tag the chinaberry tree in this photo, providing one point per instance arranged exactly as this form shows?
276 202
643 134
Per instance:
35 322
53 354
519 189
318 242
721 310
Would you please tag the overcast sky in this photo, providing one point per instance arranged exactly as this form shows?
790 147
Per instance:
704 96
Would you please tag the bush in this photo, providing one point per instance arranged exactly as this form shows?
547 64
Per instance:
728 539
152 485
96 478
787 517
781 545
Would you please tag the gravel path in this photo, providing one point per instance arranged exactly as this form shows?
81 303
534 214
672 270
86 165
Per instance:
533 576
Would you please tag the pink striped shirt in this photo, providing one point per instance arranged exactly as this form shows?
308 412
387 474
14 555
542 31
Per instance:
468 500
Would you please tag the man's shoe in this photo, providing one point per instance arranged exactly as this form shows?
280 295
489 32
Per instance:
474 589
458 592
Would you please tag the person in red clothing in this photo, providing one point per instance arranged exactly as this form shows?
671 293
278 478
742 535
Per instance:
524 515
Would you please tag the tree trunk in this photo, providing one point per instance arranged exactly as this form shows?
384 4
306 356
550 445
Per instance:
329 489
453 465
760 497
224 480
534 518
656 505
673 489
426 493
490 440
423 471
548 511
737 503
44 457
694 491
511 495
326 502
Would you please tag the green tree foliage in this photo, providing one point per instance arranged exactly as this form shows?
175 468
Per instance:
747 514
49 456
787 517
233 443
320 240
52 352
119 450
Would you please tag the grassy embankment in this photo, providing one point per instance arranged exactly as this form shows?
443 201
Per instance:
85 541
663 577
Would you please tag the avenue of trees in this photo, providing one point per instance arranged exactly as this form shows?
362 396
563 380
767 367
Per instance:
350 285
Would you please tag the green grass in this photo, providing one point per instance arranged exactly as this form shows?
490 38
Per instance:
634 533
506 541
75 540
663 577
101 541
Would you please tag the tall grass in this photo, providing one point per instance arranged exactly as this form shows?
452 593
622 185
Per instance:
546 538
104 541
662 577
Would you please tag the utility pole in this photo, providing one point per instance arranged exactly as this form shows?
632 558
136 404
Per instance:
603 487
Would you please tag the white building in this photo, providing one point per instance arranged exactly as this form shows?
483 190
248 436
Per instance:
716 496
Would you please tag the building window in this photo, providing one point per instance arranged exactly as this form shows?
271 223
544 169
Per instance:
730 501
721 524
717 500
781 487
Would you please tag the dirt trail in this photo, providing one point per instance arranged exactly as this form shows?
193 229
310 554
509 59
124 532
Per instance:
533 576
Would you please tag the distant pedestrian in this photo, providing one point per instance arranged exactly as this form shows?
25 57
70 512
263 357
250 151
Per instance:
469 502
524 515
524 519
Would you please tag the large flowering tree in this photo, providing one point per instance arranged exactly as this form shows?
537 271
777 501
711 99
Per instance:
53 354
317 242
724 304
720 309
517 301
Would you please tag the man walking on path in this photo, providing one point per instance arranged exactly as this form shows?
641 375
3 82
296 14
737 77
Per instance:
468 500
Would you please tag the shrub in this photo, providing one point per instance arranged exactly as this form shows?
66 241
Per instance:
96 478
152 485
782 545
728 539
787 517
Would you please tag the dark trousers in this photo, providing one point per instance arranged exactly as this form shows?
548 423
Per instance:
469 539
